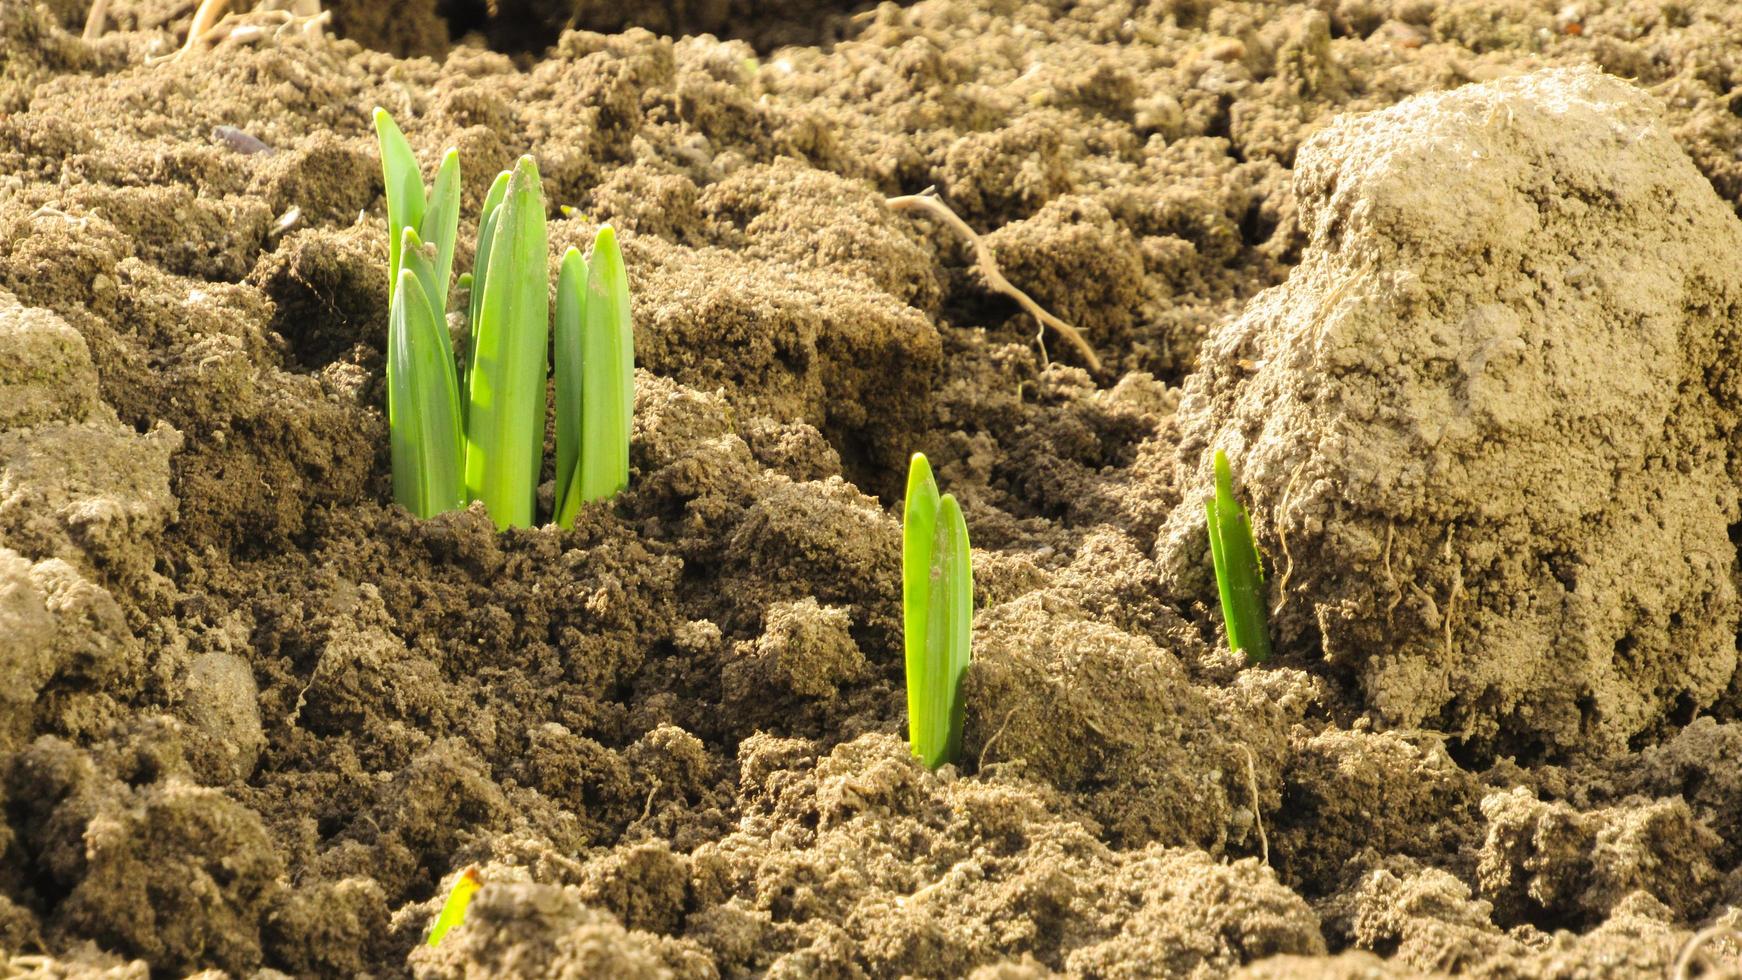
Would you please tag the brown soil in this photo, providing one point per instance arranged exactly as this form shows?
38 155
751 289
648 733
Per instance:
253 718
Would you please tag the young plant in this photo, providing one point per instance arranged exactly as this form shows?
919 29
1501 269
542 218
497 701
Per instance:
423 399
422 389
435 217
479 435
505 384
937 586
595 377
1239 576
453 912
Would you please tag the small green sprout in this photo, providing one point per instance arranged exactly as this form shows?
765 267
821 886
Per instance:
505 386
453 912
1239 576
423 400
435 217
494 411
422 390
595 377
937 585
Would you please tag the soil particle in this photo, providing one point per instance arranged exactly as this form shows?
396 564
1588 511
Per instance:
96 494
1547 863
525 929
161 869
1354 798
69 652
46 373
221 701
1466 308
1154 757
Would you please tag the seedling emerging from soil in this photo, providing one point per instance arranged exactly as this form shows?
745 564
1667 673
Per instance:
423 401
480 436
1239 577
436 217
423 405
595 377
505 386
454 909
937 585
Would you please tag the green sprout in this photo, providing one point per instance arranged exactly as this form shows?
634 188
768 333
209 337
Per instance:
479 435
595 377
505 386
937 586
1239 576
423 399
453 912
436 217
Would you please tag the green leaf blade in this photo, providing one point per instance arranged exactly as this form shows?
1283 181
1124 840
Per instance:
441 224
414 258
506 386
403 182
1239 573
453 913
481 262
423 406
922 607
953 612
608 368
571 297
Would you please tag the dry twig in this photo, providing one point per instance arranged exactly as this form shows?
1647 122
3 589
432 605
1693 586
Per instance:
206 17
1257 813
929 202
1693 950
96 20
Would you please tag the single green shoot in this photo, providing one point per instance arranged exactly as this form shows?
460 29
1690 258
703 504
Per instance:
506 383
435 216
481 260
404 184
453 913
423 398
595 377
1239 574
937 586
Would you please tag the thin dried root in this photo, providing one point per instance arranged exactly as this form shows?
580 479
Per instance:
96 20
1257 814
1456 592
1396 590
305 18
1694 948
206 17
984 749
928 202
1282 538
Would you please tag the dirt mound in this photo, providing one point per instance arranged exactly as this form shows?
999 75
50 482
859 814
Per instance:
1497 387
255 719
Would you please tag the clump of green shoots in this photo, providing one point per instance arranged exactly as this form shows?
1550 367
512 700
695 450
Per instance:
479 435
937 586
1239 576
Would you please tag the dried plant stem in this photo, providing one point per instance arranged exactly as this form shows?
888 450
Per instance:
206 17
1282 538
1692 952
928 202
96 20
1257 813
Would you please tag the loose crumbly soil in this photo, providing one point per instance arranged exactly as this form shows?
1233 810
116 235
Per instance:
254 718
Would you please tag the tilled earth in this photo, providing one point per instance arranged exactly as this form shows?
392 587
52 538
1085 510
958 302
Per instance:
254 718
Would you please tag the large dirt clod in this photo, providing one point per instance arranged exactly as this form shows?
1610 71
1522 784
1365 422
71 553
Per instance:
1496 391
